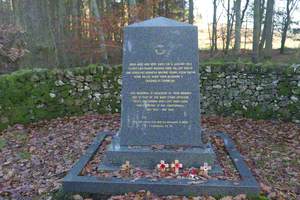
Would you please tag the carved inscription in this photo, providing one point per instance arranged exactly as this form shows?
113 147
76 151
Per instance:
163 101
167 72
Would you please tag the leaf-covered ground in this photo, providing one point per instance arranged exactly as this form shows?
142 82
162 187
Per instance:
35 158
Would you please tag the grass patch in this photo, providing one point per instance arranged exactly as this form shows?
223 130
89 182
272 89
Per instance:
24 155
260 197
2 143
20 137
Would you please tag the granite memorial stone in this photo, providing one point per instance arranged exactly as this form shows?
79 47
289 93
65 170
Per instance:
160 91
160 97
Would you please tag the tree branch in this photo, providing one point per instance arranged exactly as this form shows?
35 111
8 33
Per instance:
244 11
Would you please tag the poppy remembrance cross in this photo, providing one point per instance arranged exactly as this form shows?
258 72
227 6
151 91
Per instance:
126 165
205 168
162 166
176 166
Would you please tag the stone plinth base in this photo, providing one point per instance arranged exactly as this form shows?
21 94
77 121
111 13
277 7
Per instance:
147 157
76 182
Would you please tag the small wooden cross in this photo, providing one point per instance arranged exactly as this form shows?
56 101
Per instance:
205 168
162 166
176 166
193 172
126 169
126 166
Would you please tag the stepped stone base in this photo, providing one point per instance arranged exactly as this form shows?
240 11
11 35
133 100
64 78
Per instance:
147 158
75 182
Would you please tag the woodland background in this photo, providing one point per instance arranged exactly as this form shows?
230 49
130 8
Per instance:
72 33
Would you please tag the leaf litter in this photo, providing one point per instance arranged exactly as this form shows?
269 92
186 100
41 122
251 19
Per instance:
35 158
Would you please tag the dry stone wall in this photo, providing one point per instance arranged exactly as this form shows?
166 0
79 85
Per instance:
254 91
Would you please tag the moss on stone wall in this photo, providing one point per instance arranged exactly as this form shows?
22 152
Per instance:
31 95
255 91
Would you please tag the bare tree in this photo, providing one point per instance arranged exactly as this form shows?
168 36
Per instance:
237 34
256 30
132 12
222 33
290 7
148 9
244 11
269 29
246 33
96 13
214 29
229 25
34 17
60 25
191 11
262 18
182 10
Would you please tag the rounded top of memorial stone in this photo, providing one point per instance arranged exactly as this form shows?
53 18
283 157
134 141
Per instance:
159 22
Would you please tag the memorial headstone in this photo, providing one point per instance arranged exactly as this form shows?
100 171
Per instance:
160 97
160 91
160 126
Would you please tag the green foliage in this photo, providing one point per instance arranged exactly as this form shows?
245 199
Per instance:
284 88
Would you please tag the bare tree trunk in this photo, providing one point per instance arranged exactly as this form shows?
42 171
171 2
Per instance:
133 12
154 8
191 11
161 8
283 35
246 34
76 18
237 35
209 36
223 37
262 11
290 6
59 23
262 40
167 9
148 10
214 29
6 12
34 17
228 26
183 10
102 5
256 31
263 34
103 49
244 11
76 29
269 29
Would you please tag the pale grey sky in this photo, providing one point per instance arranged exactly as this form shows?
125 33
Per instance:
204 8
